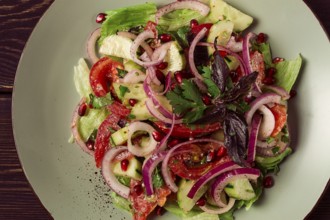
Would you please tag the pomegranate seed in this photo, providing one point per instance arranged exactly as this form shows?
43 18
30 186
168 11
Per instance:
160 211
222 152
201 202
172 143
165 38
193 23
82 109
90 144
157 136
178 75
248 99
207 100
122 123
234 76
101 17
162 65
223 53
132 102
277 60
293 93
138 189
261 38
268 182
269 80
124 164
160 76
271 71
238 38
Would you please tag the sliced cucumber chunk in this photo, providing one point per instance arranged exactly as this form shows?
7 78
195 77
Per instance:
134 169
240 189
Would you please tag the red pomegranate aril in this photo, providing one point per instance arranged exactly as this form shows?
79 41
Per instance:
90 144
124 165
223 53
201 202
222 152
269 80
160 76
157 136
132 102
101 17
165 38
193 23
138 190
162 65
261 38
271 71
178 75
268 182
207 100
293 93
210 156
277 60
172 143
82 109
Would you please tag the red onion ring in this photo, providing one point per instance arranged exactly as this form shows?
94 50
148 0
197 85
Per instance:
162 144
217 211
268 122
269 151
154 112
144 45
234 46
256 121
75 131
246 51
91 50
134 76
265 144
192 47
279 90
261 100
148 168
109 176
137 150
167 177
187 4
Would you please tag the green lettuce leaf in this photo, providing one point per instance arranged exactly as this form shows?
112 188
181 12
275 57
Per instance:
81 79
118 19
178 18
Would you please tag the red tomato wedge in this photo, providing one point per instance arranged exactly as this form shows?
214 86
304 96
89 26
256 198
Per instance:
102 74
143 206
279 112
181 165
196 29
183 131
102 142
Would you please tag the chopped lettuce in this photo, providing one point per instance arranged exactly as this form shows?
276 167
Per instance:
117 20
121 202
287 72
91 121
178 18
81 79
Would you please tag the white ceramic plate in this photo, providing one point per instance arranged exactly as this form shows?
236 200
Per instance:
64 177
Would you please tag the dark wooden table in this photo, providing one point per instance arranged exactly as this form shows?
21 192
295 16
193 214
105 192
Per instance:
17 20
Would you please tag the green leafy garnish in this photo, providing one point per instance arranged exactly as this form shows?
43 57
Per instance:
121 72
99 102
212 88
157 179
123 90
186 100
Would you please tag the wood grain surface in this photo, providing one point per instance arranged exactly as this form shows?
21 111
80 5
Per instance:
17 20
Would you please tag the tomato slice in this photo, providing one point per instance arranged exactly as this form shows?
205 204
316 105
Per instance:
143 205
184 131
196 29
279 112
181 166
102 142
102 74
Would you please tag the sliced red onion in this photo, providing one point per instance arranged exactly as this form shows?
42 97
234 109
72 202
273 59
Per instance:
162 143
217 211
268 122
75 130
186 4
265 144
167 177
140 39
219 184
159 50
216 171
256 121
192 47
107 171
154 112
144 45
151 76
279 90
261 100
234 46
148 168
246 51
91 45
134 76
271 151
138 150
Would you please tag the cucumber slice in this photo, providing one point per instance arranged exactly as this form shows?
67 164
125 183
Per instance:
240 189
222 31
120 136
133 91
220 10
175 58
133 171
232 62
118 46
185 202
140 111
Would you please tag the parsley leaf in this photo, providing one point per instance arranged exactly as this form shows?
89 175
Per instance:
212 88
121 72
